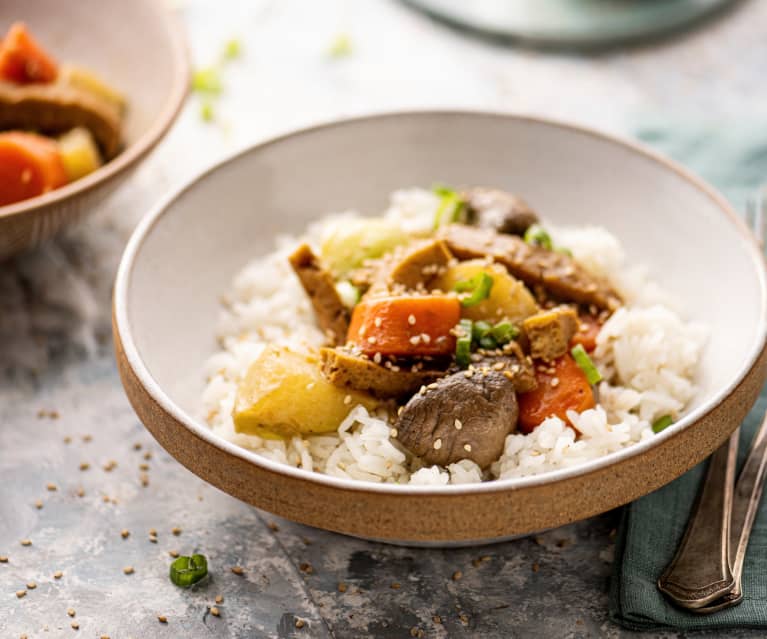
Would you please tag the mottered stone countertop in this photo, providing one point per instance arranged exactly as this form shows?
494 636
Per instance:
76 466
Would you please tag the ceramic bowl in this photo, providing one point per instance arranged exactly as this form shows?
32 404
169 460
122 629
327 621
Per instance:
185 253
136 46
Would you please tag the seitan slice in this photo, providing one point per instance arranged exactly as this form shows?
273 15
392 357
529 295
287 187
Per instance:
558 273
549 332
332 315
56 108
420 264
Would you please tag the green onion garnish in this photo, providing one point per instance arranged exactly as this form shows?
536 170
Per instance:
488 343
207 80
503 332
340 47
564 250
586 365
232 49
187 571
451 207
538 236
479 285
662 422
463 343
480 329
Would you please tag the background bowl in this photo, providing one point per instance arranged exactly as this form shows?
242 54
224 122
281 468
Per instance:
184 255
137 47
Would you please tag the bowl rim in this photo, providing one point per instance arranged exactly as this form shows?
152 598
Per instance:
131 155
122 326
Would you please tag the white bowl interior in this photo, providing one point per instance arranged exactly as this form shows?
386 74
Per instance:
190 253
124 42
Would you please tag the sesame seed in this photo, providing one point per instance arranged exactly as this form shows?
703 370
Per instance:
393 433
128 570
309 387
396 585
464 619
238 570
125 533
215 611
144 479
306 567
377 358
437 444
147 455
58 574
176 531
67 440
342 587
468 374
498 366
110 465
21 593
300 623
137 446
273 526
87 438
457 575
3 559
437 619
508 374
467 447
75 625
26 542
71 612
348 400
173 553
80 492
416 339
372 340
411 320
377 321
51 487
458 425
31 585
85 466
426 338
39 504
162 619
219 599
554 382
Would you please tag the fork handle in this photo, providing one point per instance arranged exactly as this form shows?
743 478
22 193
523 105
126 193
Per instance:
700 571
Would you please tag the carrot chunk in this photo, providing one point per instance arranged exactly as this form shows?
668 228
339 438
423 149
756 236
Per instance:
30 165
23 60
407 326
586 335
565 388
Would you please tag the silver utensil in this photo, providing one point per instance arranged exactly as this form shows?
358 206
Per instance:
698 578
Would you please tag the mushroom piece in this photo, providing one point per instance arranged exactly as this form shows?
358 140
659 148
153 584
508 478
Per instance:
499 210
463 416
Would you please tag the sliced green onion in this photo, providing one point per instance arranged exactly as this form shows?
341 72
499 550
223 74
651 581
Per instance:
232 49
451 207
187 571
340 47
564 250
661 423
480 329
348 293
488 343
538 236
503 332
206 111
586 365
207 80
479 285
463 343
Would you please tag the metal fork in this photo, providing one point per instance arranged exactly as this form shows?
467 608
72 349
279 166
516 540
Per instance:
720 525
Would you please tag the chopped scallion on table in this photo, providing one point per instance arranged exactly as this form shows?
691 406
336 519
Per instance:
662 423
479 286
187 571
232 49
586 365
341 46
207 80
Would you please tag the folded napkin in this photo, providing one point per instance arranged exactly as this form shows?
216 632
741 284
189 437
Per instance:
735 160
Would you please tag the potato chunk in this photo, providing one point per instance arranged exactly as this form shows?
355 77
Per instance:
509 298
284 394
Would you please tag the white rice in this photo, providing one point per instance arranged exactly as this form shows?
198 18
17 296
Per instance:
645 351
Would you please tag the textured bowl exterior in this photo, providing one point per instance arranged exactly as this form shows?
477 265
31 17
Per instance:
185 257
27 223
443 519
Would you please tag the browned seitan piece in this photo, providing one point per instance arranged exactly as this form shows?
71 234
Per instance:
55 108
463 416
499 210
511 362
549 332
332 315
558 273
343 368
420 264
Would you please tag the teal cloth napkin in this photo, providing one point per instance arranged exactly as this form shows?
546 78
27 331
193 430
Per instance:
734 159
